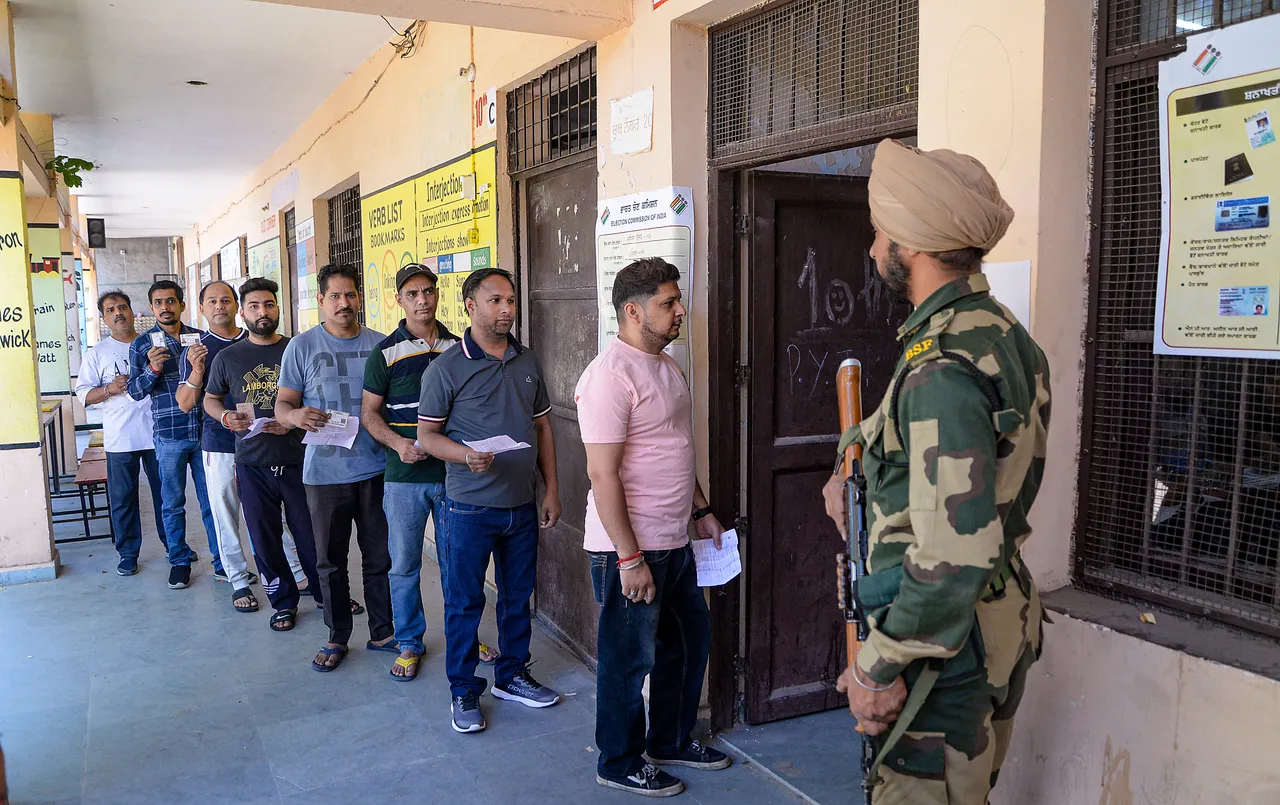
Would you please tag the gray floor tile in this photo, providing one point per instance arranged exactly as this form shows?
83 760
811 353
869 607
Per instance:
440 780
45 752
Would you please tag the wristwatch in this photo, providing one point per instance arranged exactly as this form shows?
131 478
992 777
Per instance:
700 513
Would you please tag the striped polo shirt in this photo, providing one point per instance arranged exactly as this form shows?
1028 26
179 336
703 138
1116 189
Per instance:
393 371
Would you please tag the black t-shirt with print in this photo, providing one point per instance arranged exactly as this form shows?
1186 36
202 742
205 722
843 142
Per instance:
249 372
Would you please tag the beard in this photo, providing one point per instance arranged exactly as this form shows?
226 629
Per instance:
263 327
656 340
895 275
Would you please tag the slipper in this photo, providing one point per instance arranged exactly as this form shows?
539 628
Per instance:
329 652
492 652
240 595
356 609
393 646
408 664
283 620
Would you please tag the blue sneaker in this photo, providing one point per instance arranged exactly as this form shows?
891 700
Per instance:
127 567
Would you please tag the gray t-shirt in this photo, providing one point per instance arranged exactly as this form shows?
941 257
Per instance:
329 372
477 396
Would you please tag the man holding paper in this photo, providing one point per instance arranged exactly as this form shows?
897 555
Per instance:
321 384
636 417
241 397
489 385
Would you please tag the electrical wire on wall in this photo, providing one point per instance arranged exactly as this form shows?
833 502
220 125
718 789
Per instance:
410 42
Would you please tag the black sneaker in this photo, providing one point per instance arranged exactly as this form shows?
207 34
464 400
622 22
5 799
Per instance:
695 756
253 578
127 567
466 713
220 575
179 577
650 781
525 689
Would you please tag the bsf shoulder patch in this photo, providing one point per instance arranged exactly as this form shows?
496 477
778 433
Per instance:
927 347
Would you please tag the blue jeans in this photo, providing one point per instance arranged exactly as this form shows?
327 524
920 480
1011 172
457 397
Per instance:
668 640
407 506
122 495
174 456
471 535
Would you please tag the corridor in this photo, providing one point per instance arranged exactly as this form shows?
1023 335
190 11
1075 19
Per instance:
119 690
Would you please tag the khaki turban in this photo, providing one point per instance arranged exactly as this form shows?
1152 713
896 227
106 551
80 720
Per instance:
935 201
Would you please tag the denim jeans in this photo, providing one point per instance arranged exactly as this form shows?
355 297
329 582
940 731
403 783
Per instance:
407 506
668 640
122 496
174 457
471 535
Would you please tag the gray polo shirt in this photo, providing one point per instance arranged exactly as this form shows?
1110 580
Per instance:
477 396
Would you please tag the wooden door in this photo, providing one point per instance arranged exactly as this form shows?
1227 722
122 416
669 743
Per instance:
813 301
558 243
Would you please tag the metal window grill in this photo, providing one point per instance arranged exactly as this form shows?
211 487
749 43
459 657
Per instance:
1181 504
553 116
345 242
809 73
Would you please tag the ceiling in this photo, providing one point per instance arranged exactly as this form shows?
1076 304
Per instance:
113 74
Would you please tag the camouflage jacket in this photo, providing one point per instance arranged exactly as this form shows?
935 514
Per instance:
950 505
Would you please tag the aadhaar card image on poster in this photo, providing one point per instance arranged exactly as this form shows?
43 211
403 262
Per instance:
1248 301
1243 213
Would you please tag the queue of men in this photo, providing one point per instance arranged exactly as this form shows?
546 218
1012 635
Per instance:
342 427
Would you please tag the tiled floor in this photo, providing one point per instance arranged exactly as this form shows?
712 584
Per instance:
120 690
817 755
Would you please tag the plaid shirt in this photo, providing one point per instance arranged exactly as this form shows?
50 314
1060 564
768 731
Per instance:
170 421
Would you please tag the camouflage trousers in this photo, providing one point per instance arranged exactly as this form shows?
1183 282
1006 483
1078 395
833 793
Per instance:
952 752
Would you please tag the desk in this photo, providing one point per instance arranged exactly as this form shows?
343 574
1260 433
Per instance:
91 478
51 421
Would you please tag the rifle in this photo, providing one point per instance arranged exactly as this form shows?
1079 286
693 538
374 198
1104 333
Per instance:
852 564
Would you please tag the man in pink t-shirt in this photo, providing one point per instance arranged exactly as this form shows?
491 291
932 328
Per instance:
637 423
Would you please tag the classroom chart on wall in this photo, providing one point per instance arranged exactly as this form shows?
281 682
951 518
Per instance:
264 260
17 369
308 308
45 245
71 310
1219 260
658 223
445 218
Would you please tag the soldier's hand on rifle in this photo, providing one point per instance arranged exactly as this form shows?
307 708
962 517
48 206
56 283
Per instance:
637 584
876 710
833 494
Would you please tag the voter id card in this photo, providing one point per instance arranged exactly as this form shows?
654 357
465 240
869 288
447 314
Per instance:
245 409
338 419
1243 213
189 339
157 339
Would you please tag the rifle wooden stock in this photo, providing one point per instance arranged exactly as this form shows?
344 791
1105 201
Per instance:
849 399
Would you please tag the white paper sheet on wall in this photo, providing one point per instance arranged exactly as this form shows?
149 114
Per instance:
1011 285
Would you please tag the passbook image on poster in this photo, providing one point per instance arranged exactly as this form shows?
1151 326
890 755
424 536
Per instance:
1259 129
1243 213
1238 169
1250 301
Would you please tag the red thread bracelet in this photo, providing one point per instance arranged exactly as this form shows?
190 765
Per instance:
630 558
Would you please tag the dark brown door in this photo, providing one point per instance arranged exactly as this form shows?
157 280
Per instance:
813 301
558 238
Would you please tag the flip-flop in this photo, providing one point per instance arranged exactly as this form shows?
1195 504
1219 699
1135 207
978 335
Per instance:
493 655
282 616
407 663
356 609
329 652
242 593
393 646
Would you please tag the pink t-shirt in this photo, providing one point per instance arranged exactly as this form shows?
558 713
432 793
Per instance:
628 396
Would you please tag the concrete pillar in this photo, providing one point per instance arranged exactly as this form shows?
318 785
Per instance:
27 552
1009 83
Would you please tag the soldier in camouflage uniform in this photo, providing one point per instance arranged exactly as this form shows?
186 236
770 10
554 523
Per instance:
953 458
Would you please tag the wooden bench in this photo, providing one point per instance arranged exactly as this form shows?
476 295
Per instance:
94 454
91 478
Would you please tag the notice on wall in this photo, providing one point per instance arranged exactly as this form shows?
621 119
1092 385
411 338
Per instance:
229 259
631 123
1219 259
45 247
445 218
82 310
18 396
206 272
71 310
654 224
308 308
264 260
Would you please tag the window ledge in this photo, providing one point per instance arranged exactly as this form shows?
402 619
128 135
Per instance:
1175 630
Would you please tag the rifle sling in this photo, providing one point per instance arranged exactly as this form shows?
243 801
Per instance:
915 700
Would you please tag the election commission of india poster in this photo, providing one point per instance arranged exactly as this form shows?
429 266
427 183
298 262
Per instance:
1219 257
658 223
445 218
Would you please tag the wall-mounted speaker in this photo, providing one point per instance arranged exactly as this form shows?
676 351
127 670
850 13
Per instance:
97 233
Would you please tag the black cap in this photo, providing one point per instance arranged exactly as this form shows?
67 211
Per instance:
413 270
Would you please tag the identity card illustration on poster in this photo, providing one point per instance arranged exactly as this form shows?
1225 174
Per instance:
658 223
1220 170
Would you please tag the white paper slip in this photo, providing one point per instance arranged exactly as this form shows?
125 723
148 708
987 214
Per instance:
189 339
717 567
332 434
496 444
257 426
